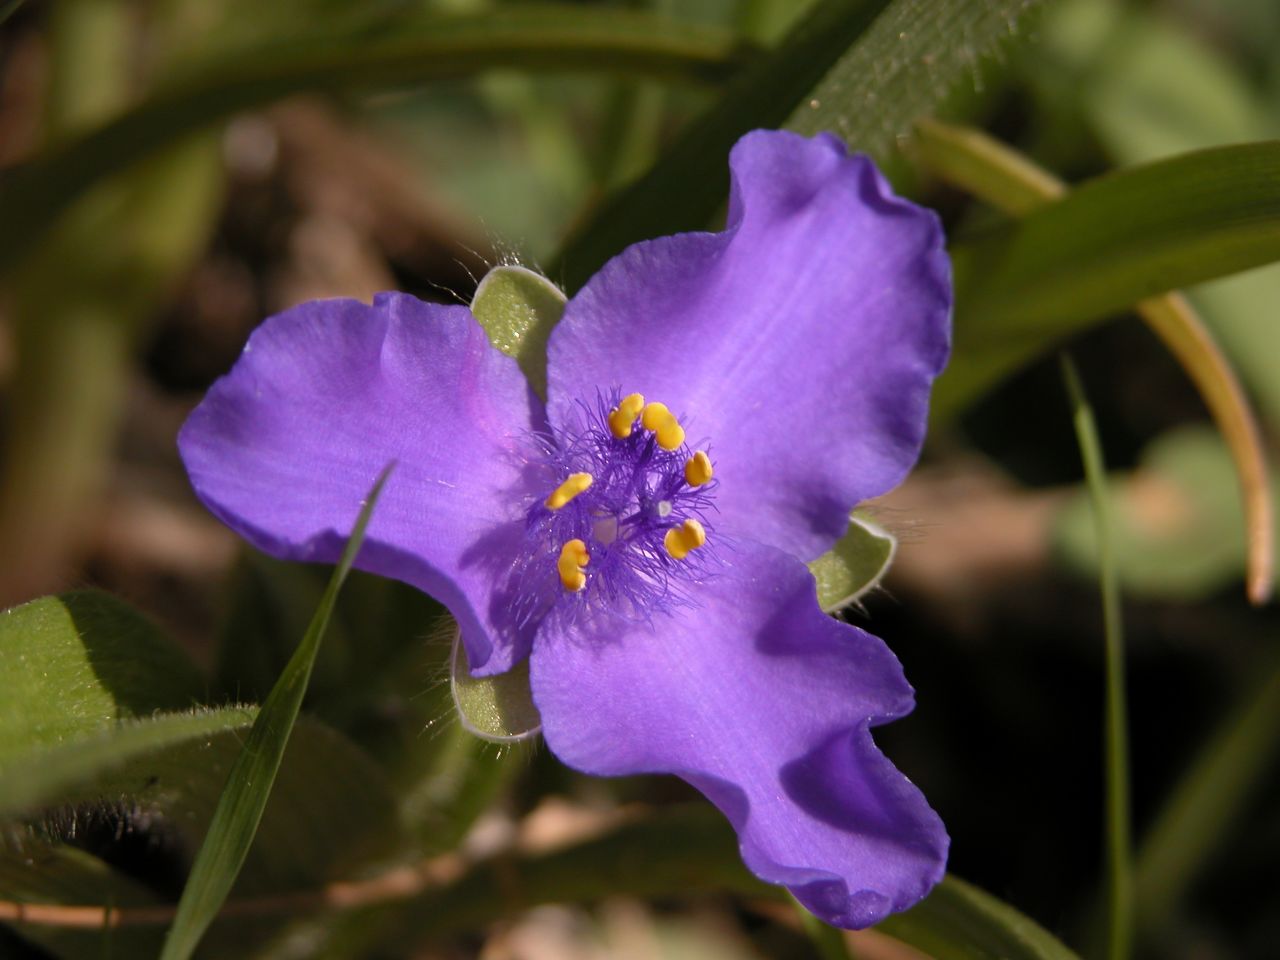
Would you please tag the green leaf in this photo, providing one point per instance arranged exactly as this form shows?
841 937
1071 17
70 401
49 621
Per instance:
689 183
518 310
863 68
1150 89
916 55
1102 248
43 775
429 48
499 709
240 808
162 800
855 565
76 664
1011 182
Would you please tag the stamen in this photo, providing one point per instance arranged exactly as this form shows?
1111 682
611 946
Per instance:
662 422
573 557
680 540
624 415
698 470
562 494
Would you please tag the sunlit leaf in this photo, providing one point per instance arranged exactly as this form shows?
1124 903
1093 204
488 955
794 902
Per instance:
76 664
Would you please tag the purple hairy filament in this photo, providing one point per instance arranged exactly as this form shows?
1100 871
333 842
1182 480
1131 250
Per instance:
624 524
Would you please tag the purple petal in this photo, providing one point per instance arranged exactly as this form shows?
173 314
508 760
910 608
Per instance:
763 703
800 342
285 447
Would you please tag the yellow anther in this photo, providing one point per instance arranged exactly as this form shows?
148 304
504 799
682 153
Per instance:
662 422
624 415
562 494
573 557
680 540
697 470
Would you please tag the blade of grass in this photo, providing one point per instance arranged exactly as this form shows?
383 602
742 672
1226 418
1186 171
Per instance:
1119 844
235 821
546 38
1013 183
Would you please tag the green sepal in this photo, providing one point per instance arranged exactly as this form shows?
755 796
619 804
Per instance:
855 565
498 709
518 310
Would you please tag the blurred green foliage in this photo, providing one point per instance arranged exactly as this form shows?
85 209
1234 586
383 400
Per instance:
156 179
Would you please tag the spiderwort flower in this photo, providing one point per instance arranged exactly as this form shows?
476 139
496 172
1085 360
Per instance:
716 405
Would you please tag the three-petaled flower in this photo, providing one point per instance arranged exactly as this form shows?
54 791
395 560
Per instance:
716 405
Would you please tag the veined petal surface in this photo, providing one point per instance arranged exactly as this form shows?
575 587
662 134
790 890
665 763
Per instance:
763 703
800 342
285 446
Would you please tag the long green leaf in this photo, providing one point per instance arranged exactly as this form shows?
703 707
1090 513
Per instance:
38 777
1119 844
916 55
690 182
1107 245
235 821
1013 183
865 69
547 38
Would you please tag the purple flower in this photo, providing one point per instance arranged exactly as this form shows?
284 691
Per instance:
716 405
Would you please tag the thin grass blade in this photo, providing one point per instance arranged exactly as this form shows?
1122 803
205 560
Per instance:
1119 843
235 821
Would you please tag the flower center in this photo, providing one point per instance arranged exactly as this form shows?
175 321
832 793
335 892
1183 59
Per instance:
625 525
